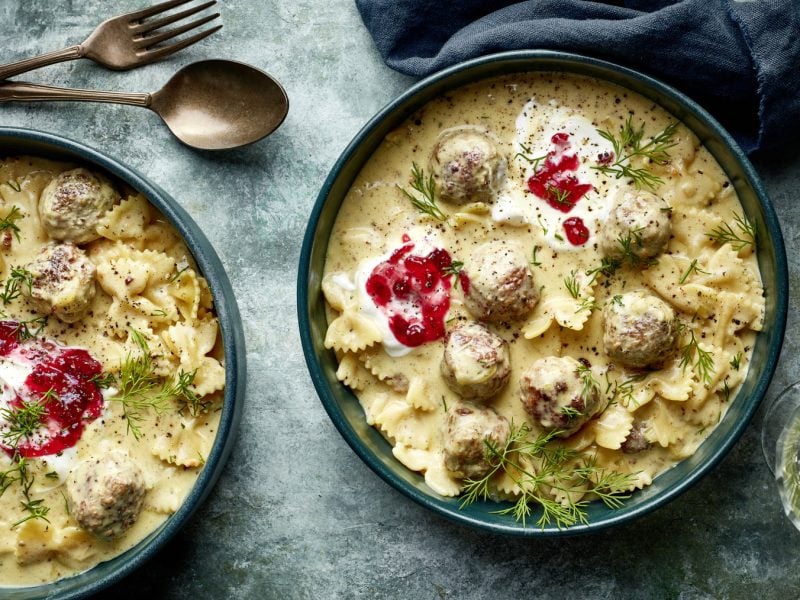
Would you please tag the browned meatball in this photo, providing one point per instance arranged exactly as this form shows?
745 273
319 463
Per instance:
556 396
500 285
476 363
636 441
638 222
72 204
467 165
467 428
639 329
106 494
62 282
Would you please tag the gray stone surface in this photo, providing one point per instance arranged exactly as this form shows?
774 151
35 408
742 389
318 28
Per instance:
296 514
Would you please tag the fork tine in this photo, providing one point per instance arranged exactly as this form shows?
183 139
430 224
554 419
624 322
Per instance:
147 56
150 41
153 25
154 10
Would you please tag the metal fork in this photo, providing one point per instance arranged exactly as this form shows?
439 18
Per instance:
128 40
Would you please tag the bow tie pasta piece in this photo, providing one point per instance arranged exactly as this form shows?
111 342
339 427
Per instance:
187 292
351 332
613 427
192 344
189 446
126 220
167 493
352 372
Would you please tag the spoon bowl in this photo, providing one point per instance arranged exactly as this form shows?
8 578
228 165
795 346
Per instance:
209 105
221 104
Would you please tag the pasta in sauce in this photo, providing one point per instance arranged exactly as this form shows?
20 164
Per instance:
617 292
98 281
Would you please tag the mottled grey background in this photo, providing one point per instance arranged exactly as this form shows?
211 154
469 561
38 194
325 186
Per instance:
296 514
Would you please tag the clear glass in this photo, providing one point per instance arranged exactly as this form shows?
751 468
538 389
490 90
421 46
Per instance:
780 442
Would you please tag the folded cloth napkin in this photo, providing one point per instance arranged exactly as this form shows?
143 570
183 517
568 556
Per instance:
740 59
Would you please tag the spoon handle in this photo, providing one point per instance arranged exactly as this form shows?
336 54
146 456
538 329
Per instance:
50 58
13 91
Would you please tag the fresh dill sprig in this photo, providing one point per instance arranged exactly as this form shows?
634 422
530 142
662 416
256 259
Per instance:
30 328
572 285
559 196
703 365
693 268
623 392
570 412
14 185
426 200
22 421
629 145
104 380
534 161
608 266
9 222
724 233
177 274
454 269
13 285
541 225
533 261
627 245
36 508
557 468
181 391
587 303
726 390
736 361
589 385
140 390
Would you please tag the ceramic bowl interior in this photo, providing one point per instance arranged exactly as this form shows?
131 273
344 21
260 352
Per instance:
343 406
23 141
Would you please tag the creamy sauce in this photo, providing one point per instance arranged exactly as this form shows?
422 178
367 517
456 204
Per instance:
547 128
173 444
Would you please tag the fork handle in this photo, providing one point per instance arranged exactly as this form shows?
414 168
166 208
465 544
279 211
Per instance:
50 58
19 91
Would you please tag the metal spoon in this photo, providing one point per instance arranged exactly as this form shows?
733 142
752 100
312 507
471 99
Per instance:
210 105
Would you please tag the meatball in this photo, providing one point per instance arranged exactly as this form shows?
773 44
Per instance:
467 165
62 282
636 441
500 284
476 362
637 221
72 204
467 428
105 495
555 395
639 329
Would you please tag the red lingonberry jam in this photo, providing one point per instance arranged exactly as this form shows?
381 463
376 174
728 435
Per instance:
413 292
554 182
61 379
576 231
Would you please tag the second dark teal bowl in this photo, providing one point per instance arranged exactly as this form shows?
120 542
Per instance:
343 406
36 143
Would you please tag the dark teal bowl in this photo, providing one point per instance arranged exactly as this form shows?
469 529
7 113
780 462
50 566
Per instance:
343 406
25 141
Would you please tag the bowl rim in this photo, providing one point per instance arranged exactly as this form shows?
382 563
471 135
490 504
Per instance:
527 60
52 146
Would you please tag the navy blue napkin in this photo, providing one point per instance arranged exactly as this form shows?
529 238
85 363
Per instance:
740 59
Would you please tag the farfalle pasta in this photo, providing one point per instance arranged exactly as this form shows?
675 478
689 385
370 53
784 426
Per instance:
618 278
100 294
